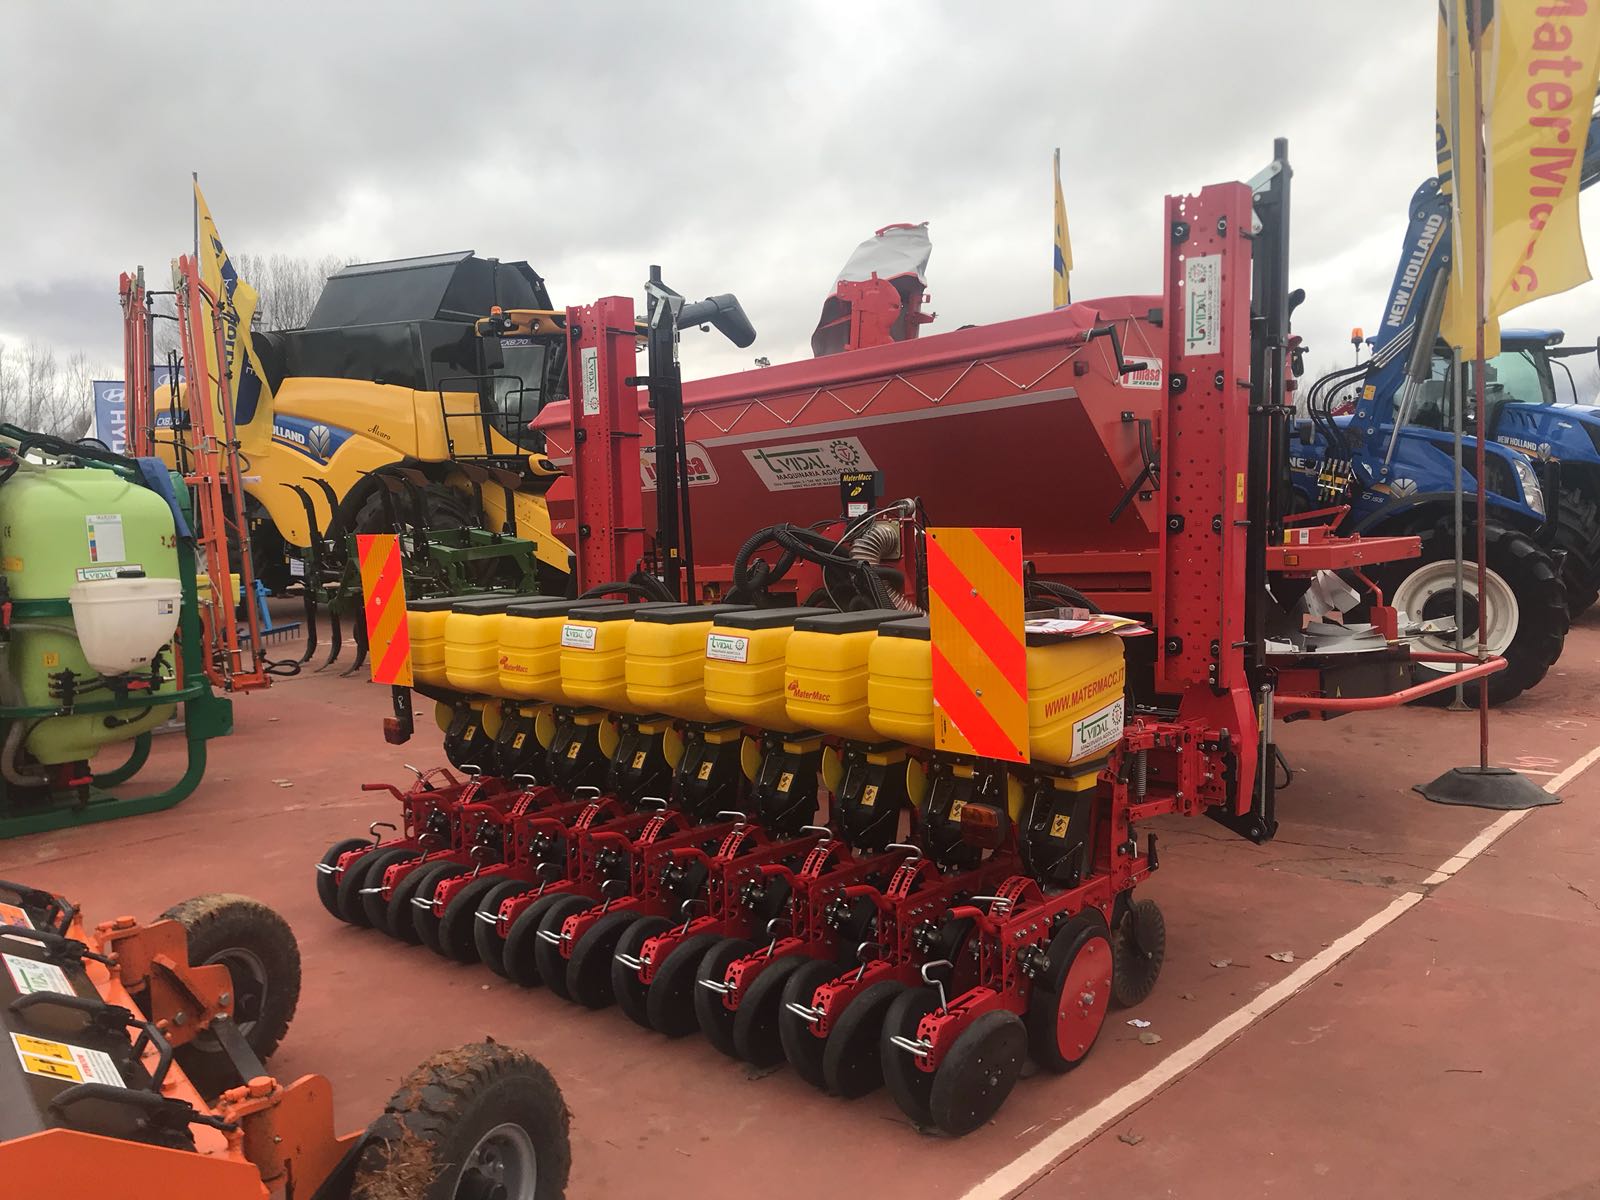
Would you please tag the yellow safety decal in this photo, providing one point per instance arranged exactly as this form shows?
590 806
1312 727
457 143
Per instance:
62 1060
956 806
1059 823
10 914
869 795
516 742
785 780
50 659
11 563
705 771
980 661
573 749
1238 488
383 591
638 759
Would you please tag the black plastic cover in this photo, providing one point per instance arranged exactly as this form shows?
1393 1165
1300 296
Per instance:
849 622
767 618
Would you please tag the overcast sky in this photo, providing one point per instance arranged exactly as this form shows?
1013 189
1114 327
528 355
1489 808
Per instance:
745 147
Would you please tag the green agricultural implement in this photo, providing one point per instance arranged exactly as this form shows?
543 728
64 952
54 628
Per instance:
100 633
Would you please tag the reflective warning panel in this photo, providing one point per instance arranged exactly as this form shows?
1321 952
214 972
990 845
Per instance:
383 591
980 660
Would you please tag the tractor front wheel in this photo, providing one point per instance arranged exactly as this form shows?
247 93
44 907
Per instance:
1527 608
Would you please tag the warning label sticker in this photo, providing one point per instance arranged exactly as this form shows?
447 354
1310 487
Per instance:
10 914
727 647
62 1060
578 637
106 543
31 976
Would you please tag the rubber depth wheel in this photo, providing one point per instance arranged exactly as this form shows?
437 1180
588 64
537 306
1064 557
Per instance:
755 1022
327 882
1138 948
1578 533
455 939
713 1016
476 1121
852 1061
374 904
978 1072
423 918
518 952
486 937
908 1083
1423 589
589 965
400 914
553 963
359 875
627 988
1068 1003
801 1046
670 1001
263 959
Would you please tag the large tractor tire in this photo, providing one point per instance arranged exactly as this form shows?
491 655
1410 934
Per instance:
1527 607
1578 533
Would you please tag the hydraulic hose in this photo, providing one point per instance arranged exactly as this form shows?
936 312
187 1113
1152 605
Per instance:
875 546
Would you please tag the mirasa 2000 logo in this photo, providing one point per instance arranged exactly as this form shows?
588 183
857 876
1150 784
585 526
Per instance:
817 463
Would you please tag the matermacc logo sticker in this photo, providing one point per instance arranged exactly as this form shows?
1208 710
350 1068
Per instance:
727 647
818 463
578 637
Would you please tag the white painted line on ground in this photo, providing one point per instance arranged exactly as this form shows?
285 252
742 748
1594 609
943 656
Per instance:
1023 1170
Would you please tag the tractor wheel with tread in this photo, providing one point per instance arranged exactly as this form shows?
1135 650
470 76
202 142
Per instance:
486 937
1138 949
802 1047
714 1017
263 958
1528 619
1578 533
327 881
352 907
476 1121
457 933
629 991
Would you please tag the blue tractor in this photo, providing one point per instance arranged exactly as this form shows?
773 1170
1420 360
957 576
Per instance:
1388 454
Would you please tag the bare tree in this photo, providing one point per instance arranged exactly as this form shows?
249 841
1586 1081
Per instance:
288 286
39 394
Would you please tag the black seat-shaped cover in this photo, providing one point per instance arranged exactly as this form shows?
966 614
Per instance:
848 622
767 618
687 614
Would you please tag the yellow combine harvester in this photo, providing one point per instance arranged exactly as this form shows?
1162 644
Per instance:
391 411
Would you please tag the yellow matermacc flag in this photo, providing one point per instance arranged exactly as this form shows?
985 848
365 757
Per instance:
1540 61
1062 295
236 300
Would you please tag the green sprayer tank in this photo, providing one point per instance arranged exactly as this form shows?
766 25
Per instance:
100 587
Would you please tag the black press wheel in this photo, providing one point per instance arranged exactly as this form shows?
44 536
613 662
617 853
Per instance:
978 1072
1138 948
400 913
423 919
263 959
490 945
519 953
474 1122
670 1001
627 988
714 1017
755 1025
589 965
327 881
548 948
360 874
852 1062
801 1046
455 938
374 904
1067 1005
908 1083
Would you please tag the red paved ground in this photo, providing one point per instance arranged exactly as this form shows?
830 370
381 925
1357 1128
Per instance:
1444 1057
